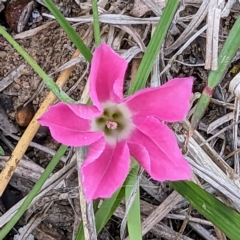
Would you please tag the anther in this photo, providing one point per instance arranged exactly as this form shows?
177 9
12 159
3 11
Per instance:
111 125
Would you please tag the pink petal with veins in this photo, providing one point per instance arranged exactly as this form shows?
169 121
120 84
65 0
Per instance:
106 76
84 111
158 143
140 154
103 175
68 128
170 102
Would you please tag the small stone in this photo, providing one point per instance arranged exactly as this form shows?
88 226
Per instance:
42 133
3 54
24 115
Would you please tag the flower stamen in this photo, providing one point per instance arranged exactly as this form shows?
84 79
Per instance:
111 125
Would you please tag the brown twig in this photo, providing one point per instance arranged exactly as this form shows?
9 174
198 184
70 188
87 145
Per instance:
185 222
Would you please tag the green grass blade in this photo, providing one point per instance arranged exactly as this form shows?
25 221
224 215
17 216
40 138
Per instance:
200 109
1 151
154 46
223 217
72 34
96 23
226 55
134 214
107 209
48 81
8 227
104 213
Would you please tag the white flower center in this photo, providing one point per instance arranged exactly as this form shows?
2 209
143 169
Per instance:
115 122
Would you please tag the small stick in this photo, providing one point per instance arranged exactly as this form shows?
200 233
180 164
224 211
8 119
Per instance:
185 222
217 15
87 212
209 40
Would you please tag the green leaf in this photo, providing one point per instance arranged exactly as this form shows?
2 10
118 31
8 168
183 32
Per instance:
134 214
107 209
1 151
72 34
96 23
226 55
154 47
223 217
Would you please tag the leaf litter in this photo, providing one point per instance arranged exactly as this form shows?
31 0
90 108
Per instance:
184 54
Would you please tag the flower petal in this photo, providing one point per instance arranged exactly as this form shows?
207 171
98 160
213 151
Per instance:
158 143
140 153
106 76
169 102
67 127
104 171
84 111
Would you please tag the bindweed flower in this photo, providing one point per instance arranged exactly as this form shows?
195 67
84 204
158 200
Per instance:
116 128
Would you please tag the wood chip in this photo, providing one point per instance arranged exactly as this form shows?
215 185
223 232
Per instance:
33 31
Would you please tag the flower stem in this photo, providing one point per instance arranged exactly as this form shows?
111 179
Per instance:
226 55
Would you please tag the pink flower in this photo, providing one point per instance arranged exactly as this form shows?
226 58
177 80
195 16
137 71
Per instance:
116 128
